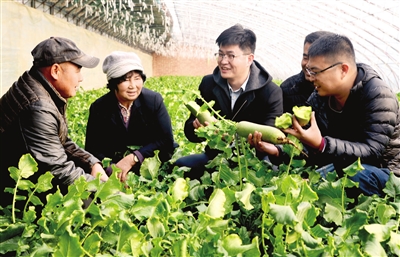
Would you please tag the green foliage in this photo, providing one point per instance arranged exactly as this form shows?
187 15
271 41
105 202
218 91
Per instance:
78 113
241 207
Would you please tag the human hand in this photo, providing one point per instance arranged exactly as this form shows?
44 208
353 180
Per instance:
125 165
255 140
98 169
197 124
311 136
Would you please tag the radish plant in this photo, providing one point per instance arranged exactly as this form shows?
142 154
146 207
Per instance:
242 206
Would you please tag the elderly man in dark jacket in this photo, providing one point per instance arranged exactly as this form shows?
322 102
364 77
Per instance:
241 88
32 117
356 115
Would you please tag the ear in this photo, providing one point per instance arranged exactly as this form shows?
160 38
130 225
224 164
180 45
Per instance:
250 59
55 70
345 69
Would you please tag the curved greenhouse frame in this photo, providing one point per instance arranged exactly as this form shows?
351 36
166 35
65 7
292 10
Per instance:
188 28
280 26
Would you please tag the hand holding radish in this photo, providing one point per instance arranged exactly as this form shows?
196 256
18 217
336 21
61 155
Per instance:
311 136
255 140
203 118
197 124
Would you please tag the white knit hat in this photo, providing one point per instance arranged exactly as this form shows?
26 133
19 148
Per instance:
119 63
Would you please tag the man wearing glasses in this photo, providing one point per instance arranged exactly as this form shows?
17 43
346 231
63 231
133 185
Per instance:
241 88
297 88
356 115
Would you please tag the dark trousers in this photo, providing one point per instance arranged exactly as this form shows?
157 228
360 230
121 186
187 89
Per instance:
196 162
371 179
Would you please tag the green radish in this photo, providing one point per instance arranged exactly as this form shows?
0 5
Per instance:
203 116
193 107
269 134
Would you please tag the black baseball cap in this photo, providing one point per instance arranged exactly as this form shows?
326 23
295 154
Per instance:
59 50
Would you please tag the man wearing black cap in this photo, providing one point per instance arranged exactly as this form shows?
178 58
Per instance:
32 117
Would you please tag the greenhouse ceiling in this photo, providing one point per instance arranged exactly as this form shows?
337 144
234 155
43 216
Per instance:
189 28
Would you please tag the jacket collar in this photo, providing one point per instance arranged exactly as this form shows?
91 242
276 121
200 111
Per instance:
57 98
364 74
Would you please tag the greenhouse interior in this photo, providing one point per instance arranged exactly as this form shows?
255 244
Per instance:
320 180
188 29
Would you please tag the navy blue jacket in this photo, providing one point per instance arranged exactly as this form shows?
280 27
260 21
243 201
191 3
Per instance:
260 103
296 90
149 128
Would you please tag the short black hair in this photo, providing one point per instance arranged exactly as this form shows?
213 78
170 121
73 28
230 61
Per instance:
113 83
332 46
310 38
237 35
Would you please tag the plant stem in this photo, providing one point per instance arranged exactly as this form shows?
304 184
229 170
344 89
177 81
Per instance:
286 236
290 161
86 252
89 232
263 233
14 200
245 159
304 248
344 180
29 199
239 163
212 109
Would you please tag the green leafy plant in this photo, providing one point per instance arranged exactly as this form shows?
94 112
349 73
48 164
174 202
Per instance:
242 206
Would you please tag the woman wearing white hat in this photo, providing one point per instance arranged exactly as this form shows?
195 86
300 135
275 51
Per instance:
130 115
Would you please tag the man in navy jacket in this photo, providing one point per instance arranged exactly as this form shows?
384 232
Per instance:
241 88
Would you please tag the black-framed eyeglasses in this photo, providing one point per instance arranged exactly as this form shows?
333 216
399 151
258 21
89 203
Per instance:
231 57
314 73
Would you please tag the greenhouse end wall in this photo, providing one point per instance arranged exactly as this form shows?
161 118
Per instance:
24 27
182 66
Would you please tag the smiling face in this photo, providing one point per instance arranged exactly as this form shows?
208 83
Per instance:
68 76
329 77
234 64
129 90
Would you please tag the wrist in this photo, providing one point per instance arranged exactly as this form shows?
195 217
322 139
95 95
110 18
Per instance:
139 156
278 151
135 158
321 146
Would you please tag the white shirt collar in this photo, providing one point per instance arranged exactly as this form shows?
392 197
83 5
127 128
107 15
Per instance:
243 86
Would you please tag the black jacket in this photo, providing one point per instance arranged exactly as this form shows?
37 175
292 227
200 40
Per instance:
149 127
260 103
296 90
32 120
368 126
